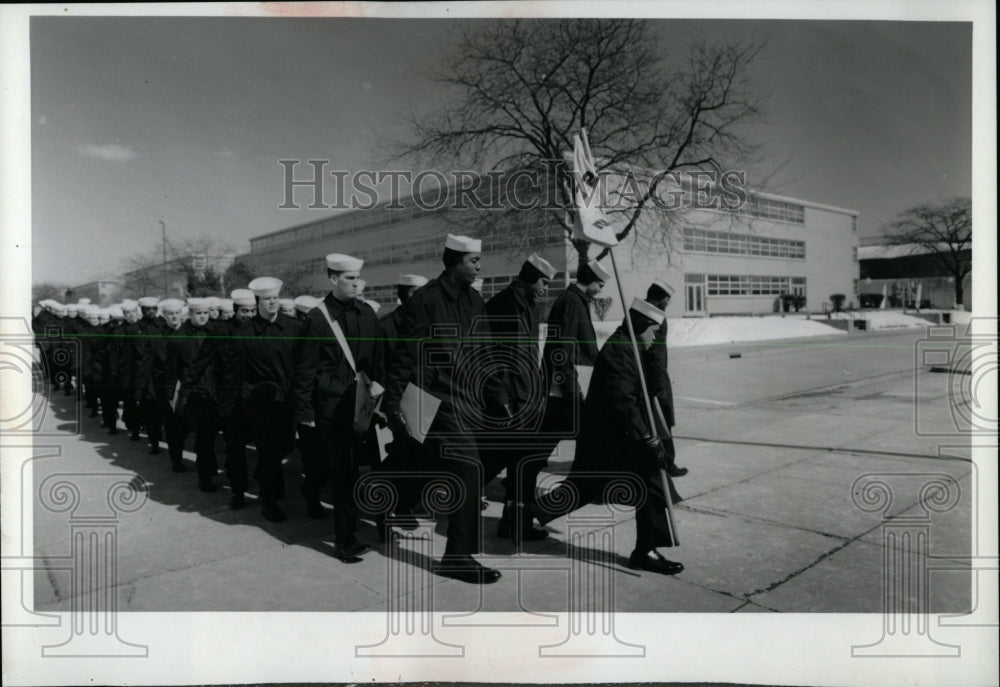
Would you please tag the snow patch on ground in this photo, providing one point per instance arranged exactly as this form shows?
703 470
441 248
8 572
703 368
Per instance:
700 331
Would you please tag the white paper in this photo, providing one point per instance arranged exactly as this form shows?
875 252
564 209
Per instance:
583 375
419 409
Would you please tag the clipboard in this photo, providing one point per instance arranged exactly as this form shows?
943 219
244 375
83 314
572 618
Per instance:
367 398
584 373
419 409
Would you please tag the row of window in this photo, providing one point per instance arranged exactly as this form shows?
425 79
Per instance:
704 241
752 285
776 210
346 224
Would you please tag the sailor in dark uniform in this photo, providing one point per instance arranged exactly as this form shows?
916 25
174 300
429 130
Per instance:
516 395
570 345
655 359
340 341
270 343
200 411
403 453
221 359
152 385
616 439
437 338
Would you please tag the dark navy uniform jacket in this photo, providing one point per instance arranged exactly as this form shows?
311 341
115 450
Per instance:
572 341
327 383
514 319
438 327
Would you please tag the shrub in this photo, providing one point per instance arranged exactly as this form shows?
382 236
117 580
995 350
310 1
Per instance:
871 300
787 301
837 299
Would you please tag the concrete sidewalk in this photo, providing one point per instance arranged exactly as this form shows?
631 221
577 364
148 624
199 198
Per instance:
768 522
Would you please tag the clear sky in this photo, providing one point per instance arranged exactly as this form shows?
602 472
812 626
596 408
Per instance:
141 119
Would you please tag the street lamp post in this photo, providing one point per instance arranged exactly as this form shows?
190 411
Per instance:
163 228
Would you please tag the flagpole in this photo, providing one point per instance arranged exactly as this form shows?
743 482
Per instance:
664 480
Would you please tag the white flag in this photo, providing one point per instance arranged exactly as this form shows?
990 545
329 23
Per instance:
591 223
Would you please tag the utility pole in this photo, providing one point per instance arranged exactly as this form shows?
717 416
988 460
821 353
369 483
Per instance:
163 228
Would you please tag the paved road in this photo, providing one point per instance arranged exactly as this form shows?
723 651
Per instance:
775 441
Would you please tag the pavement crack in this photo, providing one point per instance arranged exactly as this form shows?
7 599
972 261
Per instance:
50 575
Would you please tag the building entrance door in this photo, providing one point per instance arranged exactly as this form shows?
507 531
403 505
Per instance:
694 302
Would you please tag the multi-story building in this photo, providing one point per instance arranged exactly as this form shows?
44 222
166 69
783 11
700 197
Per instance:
172 279
722 264
102 292
897 272
719 263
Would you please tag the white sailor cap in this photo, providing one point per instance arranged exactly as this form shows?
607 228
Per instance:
59 308
535 267
305 303
129 304
286 303
265 287
148 302
338 262
117 313
463 244
599 270
83 301
411 280
663 287
648 310
243 297
171 304
197 303
213 302
72 307
225 304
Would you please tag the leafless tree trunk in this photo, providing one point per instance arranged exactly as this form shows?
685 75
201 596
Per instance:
943 230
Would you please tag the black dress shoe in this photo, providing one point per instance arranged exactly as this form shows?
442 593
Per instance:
154 450
315 510
237 501
465 569
653 561
675 471
133 436
113 430
506 526
206 485
405 522
350 553
272 513
177 466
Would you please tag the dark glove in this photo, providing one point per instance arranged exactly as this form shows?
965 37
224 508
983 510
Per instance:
397 425
657 452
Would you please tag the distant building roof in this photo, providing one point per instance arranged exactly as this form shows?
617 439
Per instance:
901 251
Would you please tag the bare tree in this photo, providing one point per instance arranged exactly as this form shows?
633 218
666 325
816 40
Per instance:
944 231
48 290
297 277
202 260
522 89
